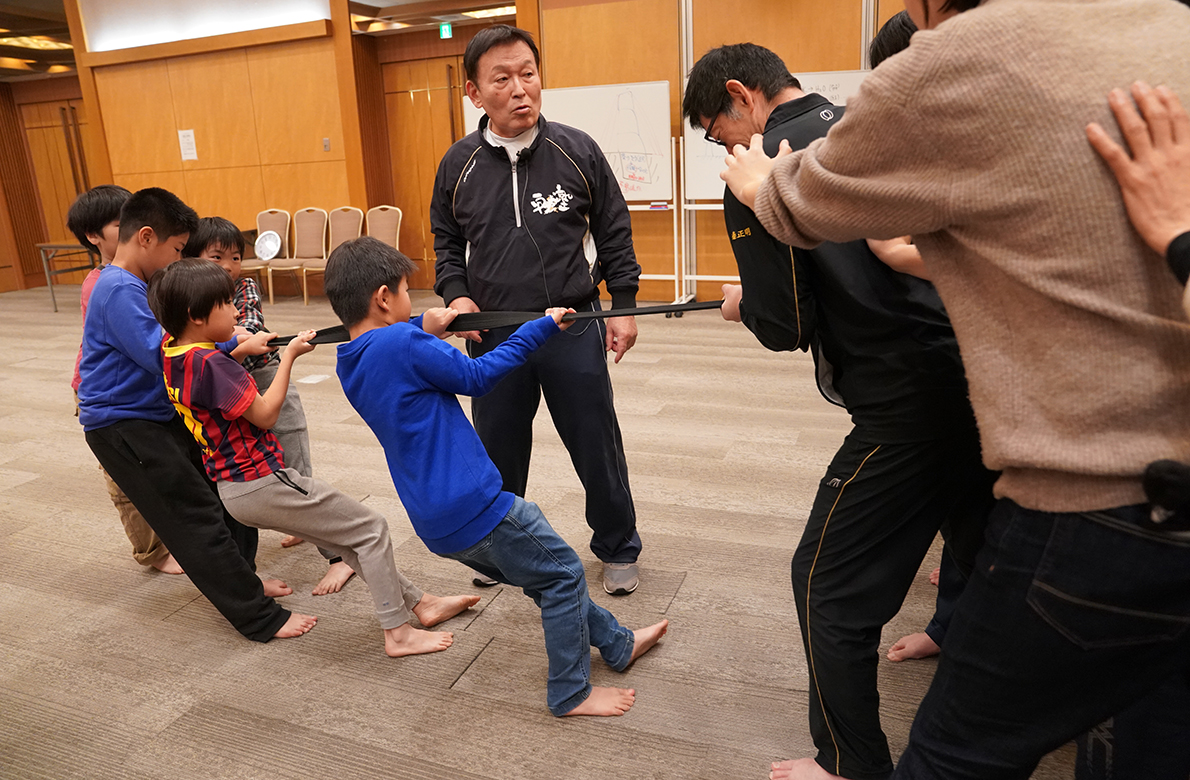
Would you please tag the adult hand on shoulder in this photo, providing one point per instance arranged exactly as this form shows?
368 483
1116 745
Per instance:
1155 180
747 168
900 255
732 295
464 305
621 335
434 321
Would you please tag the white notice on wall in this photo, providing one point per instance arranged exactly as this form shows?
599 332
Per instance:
186 141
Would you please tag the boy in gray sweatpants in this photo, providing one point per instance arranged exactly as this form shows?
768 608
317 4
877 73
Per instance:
220 404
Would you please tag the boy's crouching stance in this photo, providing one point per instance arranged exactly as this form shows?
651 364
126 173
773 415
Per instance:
219 403
403 381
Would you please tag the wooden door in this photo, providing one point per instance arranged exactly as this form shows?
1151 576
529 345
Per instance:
423 102
54 131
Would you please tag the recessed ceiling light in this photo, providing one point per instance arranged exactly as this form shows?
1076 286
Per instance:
488 13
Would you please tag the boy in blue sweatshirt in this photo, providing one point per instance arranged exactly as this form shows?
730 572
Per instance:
134 431
402 379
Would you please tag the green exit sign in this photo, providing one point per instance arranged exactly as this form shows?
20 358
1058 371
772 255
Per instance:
444 30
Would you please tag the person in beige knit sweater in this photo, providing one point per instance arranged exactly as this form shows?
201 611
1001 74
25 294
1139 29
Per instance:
1072 333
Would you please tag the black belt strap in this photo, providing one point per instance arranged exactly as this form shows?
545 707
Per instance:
485 320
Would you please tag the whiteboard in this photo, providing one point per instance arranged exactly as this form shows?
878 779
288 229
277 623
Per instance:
704 160
630 122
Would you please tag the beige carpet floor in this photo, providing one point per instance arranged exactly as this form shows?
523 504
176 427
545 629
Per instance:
108 670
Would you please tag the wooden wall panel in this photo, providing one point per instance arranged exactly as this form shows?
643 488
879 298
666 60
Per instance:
298 185
809 35
369 85
887 9
142 135
295 95
425 44
210 96
44 90
20 193
407 191
232 193
174 181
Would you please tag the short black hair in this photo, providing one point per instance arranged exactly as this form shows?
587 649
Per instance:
490 38
159 209
959 5
94 210
356 270
214 231
753 66
893 38
188 289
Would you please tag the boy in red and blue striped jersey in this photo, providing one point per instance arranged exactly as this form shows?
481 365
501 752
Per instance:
219 402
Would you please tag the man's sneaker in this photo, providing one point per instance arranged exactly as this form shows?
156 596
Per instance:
620 579
483 581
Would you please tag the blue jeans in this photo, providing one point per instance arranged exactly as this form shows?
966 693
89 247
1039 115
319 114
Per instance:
1067 619
524 550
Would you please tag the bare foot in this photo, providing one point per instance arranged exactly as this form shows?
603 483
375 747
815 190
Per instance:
913 646
432 610
292 541
296 626
276 588
936 576
647 637
605 702
335 578
799 769
168 565
407 640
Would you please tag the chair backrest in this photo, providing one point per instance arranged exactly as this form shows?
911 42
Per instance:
384 224
346 222
276 220
309 233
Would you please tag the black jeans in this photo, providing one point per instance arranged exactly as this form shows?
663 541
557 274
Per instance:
876 514
159 467
570 370
1067 619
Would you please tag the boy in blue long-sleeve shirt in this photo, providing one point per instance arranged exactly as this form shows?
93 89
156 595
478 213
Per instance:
402 379
136 434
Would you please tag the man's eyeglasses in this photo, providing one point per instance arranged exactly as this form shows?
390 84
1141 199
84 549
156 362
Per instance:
711 127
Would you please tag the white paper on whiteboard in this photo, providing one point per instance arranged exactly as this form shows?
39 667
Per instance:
186 141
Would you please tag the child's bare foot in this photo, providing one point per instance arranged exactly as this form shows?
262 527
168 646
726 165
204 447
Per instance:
605 702
335 578
168 565
292 541
275 588
913 646
407 640
432 610
296 626
936 576
647 637
800 769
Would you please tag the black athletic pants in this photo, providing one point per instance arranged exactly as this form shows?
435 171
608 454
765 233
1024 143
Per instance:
570 370
159 468
876 514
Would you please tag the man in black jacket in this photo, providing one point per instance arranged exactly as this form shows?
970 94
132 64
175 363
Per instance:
527 215
885 350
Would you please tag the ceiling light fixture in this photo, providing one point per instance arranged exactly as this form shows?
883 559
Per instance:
488 13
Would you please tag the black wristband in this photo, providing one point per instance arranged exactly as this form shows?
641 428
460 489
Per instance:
1178 257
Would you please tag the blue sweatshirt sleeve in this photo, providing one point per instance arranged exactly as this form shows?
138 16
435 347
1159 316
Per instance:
132 329
445 368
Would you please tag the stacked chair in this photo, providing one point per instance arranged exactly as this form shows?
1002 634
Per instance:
310 232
